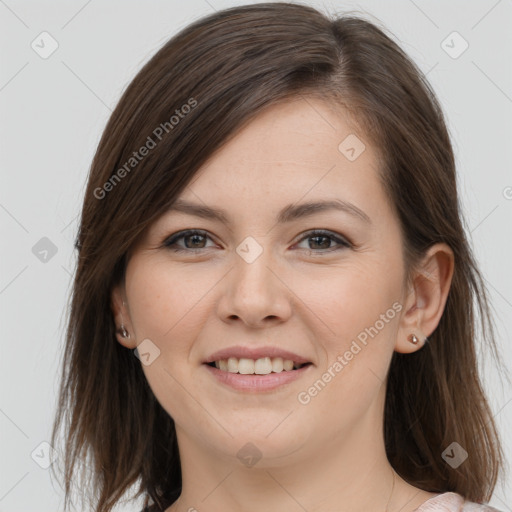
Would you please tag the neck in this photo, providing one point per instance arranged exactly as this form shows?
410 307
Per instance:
351 474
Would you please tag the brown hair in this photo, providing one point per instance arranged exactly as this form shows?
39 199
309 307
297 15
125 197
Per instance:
227 67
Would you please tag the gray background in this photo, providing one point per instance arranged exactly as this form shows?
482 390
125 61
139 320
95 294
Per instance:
54 109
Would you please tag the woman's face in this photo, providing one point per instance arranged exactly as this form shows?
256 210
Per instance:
261 280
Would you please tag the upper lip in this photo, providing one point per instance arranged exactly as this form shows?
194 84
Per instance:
255 353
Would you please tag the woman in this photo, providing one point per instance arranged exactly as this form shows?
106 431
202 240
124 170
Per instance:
273 304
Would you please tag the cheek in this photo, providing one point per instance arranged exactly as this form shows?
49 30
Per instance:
350 299
359 305
354 370
163 299
165 308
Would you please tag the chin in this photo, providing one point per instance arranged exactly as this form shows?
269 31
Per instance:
264 447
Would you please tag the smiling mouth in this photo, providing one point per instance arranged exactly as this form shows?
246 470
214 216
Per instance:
263 366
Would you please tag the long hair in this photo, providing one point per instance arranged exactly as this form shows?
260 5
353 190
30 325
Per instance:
187 101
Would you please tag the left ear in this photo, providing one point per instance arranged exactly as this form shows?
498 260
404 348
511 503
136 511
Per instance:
426 297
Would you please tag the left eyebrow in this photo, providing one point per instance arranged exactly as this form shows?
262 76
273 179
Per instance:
293 212
289 213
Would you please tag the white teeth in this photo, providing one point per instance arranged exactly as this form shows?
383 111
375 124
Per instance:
245 366
277 364
262 366
233 365
288 365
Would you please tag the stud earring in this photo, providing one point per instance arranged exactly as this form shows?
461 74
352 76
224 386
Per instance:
413 338
123 332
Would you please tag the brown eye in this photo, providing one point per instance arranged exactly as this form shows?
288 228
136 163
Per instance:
322 241
193 239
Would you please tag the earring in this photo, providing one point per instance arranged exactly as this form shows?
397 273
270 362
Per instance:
413 338
123 332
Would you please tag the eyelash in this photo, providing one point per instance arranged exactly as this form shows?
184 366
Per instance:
170 242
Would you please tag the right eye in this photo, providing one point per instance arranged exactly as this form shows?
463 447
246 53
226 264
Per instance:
194 236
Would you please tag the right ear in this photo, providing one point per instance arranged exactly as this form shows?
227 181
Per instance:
122 319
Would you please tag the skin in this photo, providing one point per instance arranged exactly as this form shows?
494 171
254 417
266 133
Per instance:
328 454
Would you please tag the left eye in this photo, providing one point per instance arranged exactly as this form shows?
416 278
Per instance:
322 237
198 238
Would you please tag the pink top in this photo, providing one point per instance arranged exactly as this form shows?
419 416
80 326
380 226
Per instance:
453 502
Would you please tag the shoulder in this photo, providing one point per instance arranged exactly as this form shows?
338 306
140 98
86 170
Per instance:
453 502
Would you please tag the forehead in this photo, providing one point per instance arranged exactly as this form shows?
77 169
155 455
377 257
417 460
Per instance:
305 132
298 149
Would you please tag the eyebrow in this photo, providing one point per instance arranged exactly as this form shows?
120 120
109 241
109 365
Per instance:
289 213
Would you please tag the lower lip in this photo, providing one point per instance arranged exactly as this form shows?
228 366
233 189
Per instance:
257 383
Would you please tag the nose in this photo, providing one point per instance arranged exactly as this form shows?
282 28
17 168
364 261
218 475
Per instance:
255 293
